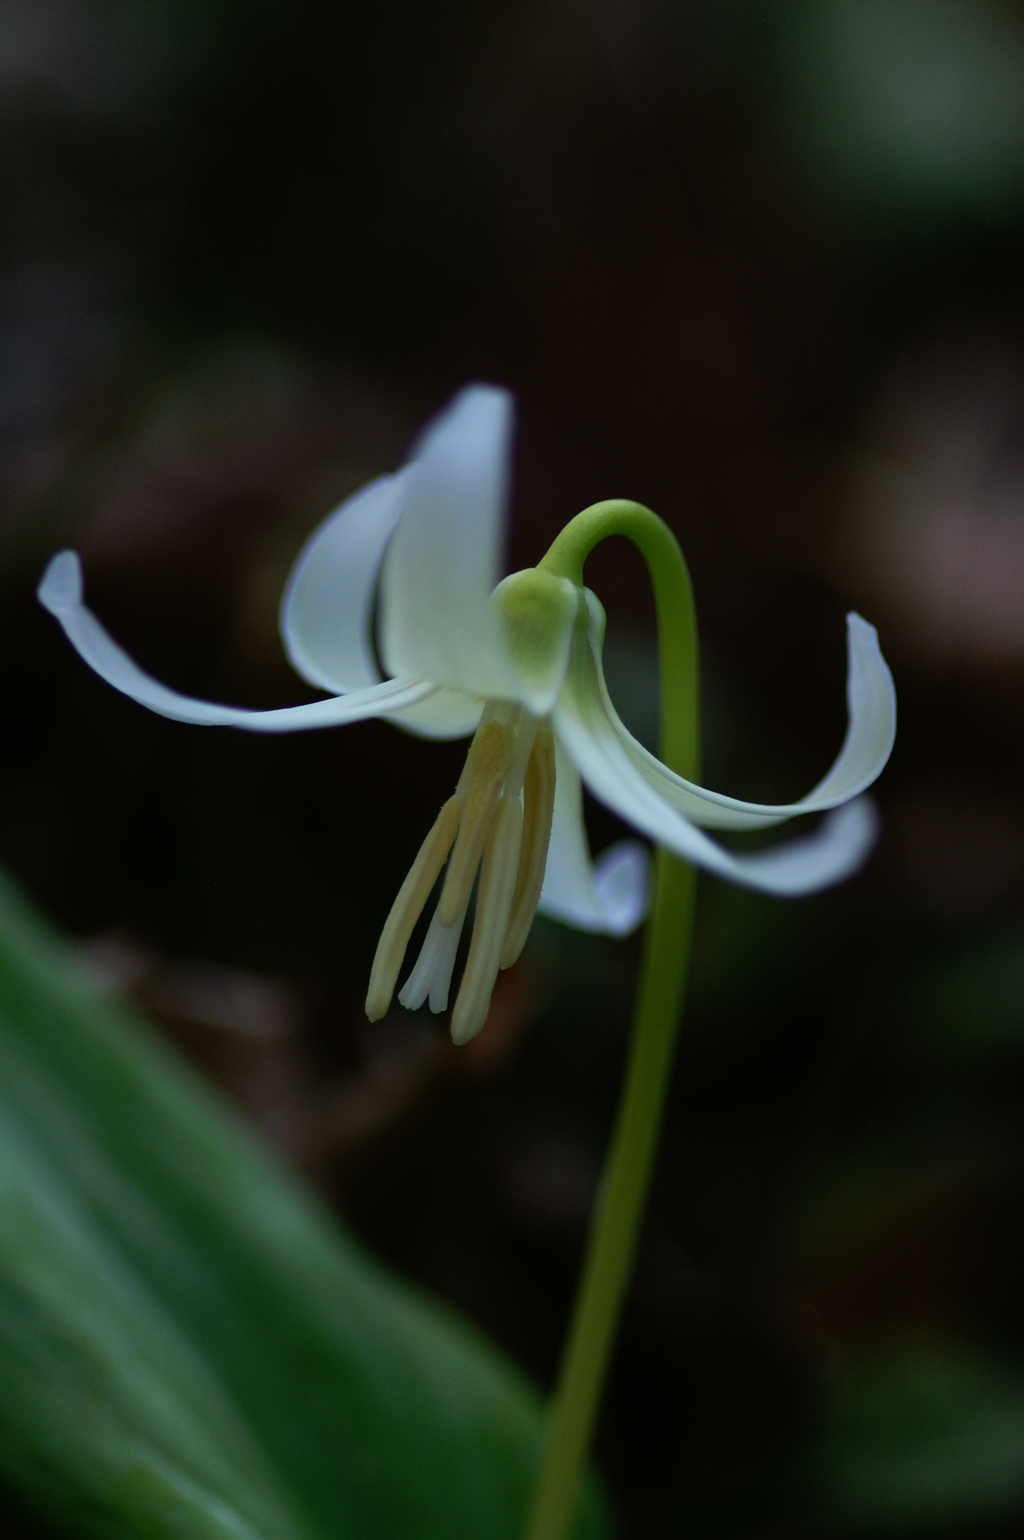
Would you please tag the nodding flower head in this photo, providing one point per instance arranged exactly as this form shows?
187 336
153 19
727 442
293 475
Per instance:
516 663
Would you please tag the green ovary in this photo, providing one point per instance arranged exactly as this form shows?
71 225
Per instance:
538 611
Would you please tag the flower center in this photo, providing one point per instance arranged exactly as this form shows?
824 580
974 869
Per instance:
496 824
538 611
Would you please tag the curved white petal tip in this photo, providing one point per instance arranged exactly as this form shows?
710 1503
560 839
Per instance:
61 593
483 415
836 850
61 588
442 564
622 881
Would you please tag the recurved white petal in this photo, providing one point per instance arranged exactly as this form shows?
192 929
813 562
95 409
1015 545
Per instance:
326 611
835 850
622 881
870 733
438 620
610 896
61 593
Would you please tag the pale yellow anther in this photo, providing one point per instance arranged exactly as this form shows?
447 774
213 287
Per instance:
538 808
486 764
408 907
508 782
493 906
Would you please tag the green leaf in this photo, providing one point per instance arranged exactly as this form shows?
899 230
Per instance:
189 1345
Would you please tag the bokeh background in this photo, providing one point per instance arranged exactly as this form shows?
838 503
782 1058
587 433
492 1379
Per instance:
759 266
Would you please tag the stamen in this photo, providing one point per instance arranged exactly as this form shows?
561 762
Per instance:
480 828
408 907
432 975
493 905
481 783
538 808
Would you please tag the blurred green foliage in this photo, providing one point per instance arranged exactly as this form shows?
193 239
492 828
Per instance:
924 1435
911 110
971 1004
188 1346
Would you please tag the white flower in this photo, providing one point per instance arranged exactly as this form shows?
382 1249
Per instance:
519 664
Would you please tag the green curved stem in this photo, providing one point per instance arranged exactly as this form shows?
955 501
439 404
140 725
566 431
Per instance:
673 598
630 1160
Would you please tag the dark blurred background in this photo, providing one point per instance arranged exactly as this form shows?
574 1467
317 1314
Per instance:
759 266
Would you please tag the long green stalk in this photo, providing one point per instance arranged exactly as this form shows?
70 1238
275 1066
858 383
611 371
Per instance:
627 1174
